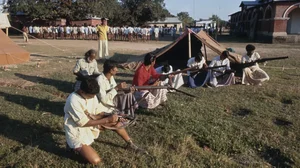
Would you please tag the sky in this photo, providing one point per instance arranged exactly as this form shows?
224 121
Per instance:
204 8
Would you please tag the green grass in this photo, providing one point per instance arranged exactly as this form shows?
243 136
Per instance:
236 126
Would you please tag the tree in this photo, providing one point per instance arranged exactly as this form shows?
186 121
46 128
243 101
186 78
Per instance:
129 12
218 20
139 12
185 18
34 9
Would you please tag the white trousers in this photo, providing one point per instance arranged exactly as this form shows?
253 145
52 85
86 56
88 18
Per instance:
102 48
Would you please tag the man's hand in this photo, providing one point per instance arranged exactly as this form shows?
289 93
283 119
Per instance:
113 118
121 86
156 83
171 76
132 89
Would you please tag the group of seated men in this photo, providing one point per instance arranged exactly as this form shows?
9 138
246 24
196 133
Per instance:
99 103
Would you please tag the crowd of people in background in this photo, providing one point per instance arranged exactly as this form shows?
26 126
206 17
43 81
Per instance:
89 32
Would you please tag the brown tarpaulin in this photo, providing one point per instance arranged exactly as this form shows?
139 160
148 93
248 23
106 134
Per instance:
217 47
201 37
10 52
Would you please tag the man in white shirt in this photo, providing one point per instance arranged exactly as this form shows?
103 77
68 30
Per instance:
114 97
175 81
126 31
156 33
197 63
30 29
85 67
130 33
68 32
222 76
83 122
90 32
253 75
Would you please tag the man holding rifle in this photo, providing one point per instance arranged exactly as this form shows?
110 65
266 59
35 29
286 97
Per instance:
113 96
147 76
253 75
83 122
175 82
196 63
222 76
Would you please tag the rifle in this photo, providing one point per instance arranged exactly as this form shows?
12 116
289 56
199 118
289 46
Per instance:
159 87
194 69
194 73
249 64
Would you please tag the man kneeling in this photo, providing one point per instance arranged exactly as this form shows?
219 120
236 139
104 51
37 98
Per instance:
82 121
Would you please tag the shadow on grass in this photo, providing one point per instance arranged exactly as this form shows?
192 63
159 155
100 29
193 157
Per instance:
243 112
122 58
275 157
63 86
287 101
36 136
282 122
146 112
36 104
202 142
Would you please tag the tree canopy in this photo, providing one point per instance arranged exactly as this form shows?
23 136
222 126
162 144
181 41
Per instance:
121 12
185 18
218 20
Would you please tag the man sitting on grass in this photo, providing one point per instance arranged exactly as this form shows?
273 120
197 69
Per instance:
175 81
222 76
114 97
198 62
83 121
85 68
147 76
253 75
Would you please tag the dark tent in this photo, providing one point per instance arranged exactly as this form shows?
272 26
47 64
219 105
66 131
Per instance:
178 52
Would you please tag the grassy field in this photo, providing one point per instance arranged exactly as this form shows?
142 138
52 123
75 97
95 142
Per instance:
236 126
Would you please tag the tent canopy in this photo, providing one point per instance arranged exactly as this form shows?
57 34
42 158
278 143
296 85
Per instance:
177 53
4 23
10 52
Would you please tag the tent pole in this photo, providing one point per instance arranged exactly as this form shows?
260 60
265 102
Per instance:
205 52
190 47
7 31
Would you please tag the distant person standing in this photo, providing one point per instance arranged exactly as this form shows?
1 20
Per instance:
103 44
156 33
25 34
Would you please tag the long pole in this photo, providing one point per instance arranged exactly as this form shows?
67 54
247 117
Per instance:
205 52
190 46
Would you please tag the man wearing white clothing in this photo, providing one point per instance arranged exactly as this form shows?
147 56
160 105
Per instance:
156 33
198 62
174 81
253 75
222 76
